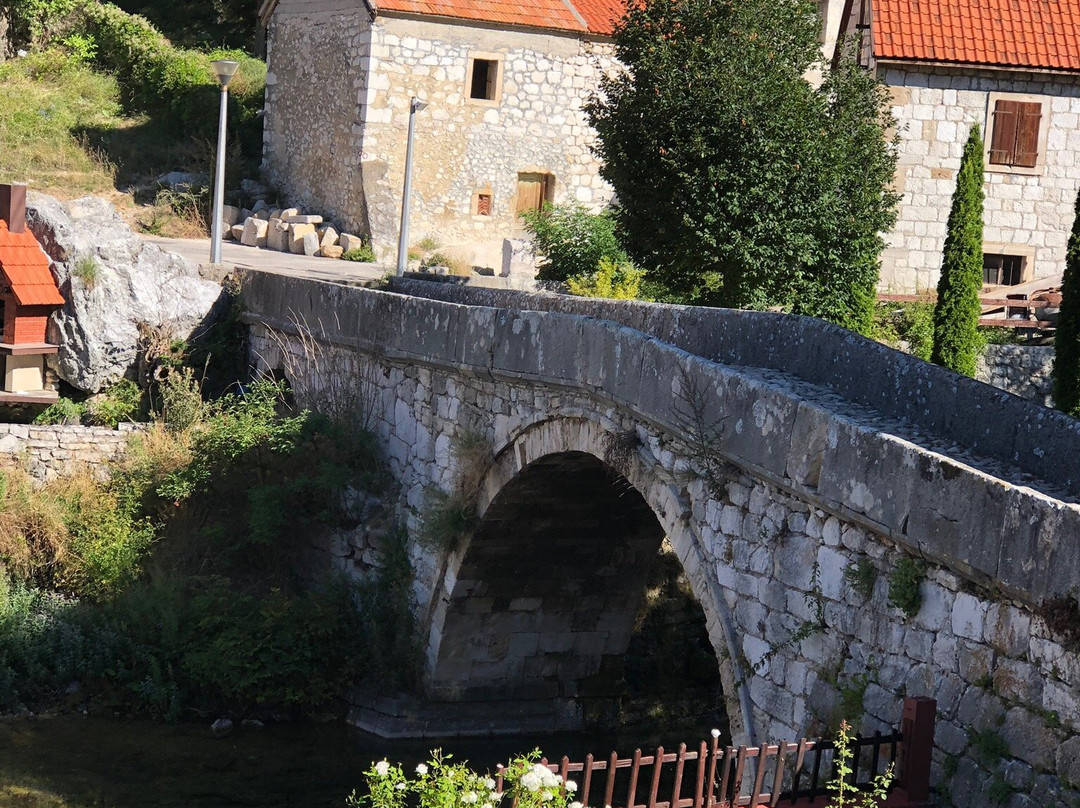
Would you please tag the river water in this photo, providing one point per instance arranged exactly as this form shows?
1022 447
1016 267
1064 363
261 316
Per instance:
75 762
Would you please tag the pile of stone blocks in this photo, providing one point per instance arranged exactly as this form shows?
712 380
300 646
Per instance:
286 230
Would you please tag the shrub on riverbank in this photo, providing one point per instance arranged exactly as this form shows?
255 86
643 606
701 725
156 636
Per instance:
174 583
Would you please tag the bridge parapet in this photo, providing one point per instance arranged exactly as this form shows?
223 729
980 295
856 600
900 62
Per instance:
961 505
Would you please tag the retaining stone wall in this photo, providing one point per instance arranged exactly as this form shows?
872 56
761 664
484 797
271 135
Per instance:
1023 370
47 452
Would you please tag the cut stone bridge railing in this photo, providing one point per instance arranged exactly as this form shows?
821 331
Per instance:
777 454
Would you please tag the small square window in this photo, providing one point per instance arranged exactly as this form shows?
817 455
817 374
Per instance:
1002 270
484 82
483 204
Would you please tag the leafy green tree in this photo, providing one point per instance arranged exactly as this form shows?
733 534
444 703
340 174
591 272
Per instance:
739 182
1067 337
571 240
957 342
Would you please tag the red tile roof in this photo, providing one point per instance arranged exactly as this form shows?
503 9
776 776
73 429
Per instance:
1004 33
26 268
581 16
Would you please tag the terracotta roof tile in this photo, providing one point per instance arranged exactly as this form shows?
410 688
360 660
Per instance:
26 268
1005 33
563 15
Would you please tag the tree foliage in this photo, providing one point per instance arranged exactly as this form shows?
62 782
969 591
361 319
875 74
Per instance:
957 342
739 182
1067 337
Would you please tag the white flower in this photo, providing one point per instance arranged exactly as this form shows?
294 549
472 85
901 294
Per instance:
469 797
487 805
382 768
571 786
530 781
574 805
421 769
489 784
400 786
548 796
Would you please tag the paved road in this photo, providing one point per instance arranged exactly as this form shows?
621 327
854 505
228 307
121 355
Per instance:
196 251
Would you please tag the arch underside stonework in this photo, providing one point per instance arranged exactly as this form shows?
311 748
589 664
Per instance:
540 602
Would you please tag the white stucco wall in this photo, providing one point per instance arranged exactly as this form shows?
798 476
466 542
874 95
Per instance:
1027 214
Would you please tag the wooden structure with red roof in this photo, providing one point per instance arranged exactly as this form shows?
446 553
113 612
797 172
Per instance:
28 296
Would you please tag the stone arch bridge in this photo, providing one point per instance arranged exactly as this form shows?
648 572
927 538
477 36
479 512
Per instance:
778 454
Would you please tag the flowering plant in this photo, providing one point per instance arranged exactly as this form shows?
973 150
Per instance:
533 785
437 784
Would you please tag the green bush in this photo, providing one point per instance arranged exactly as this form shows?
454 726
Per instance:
904 585
572 240
1067 337
912 323
957 341
118 404
64 411
617 279
364 254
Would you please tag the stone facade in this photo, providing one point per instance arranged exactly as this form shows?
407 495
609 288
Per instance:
48 452
767 520
337 110
1028 212
1023 370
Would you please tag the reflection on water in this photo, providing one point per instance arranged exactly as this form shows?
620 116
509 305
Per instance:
69 762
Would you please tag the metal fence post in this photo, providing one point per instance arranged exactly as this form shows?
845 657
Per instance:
917 727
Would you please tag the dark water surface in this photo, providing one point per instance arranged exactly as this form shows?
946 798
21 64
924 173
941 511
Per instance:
75 762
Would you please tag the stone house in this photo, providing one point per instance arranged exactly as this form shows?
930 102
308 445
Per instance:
503 129
1011 66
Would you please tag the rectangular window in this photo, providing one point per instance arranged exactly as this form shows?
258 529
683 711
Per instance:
483 204
485 80
1002 270
1015 137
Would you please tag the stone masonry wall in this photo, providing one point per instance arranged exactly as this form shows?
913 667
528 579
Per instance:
1023 370
764 554
318 55
48 452
1027 214
465 146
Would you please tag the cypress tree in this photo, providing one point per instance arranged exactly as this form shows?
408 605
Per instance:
957 341
1067 337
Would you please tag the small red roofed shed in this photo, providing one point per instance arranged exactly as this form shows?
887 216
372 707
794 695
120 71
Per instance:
28 296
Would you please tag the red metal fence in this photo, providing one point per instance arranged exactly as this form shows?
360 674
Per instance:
711 776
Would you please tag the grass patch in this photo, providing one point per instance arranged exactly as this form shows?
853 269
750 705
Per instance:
47 105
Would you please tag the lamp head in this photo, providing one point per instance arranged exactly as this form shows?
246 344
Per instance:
224 69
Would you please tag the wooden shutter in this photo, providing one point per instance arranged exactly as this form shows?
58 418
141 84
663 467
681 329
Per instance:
1027 134
1003 142
492 81
530 194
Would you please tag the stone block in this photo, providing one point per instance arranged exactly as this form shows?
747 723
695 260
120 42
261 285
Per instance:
969 616
1068 761
1030 739
328 236
259 206
262 214
331 252
236 232
299 219
347 242
254 234
285 213
311 243
277 235
230 214
296 236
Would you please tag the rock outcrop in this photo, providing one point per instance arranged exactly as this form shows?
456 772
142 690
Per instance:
115 285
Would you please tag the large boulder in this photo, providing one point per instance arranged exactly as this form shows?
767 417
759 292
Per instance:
115 285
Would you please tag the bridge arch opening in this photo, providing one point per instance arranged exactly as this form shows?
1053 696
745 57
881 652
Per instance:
569 593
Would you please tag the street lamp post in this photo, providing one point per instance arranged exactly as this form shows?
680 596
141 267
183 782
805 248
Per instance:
415 105
224 69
